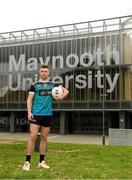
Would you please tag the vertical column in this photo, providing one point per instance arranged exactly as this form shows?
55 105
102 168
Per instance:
122 119
12 122
63 123
78 123
109 120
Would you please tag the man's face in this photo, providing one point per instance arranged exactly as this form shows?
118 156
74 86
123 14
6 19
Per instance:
44 73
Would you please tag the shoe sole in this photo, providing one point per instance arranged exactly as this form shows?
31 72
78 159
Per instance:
43 167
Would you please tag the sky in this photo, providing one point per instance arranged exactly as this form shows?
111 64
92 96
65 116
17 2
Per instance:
29 14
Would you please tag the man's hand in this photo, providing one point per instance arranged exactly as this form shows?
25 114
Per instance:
30 116
65 93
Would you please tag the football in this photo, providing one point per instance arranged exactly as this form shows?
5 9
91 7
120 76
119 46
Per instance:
57 91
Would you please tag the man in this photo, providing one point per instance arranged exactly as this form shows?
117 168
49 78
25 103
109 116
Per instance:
39 106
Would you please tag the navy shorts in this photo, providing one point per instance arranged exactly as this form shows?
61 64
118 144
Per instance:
45 121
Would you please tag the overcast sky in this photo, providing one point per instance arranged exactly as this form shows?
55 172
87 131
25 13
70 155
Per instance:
28 14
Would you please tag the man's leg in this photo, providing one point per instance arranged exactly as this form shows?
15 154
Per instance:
42 147
44 135
30 146
32 138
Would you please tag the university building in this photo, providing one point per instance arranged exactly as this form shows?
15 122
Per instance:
92 59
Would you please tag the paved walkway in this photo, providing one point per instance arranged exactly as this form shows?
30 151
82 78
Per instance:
78 139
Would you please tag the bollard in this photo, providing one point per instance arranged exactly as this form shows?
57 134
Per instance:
37 143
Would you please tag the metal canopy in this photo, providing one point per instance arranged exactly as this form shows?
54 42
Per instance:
66 31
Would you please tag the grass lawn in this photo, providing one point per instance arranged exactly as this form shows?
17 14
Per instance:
68 161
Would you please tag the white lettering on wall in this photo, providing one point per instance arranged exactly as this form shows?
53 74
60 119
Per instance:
19 66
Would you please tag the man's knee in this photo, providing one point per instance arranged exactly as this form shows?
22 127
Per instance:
33 136
43 138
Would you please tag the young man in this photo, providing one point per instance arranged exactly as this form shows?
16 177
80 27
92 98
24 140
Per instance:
39 106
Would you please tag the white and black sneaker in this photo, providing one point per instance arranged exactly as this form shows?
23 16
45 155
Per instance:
43 165
26 166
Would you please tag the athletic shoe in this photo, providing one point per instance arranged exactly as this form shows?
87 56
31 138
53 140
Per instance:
26 166
43 165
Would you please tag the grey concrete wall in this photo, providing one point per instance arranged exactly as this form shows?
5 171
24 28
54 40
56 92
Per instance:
63 123
120 137
12 122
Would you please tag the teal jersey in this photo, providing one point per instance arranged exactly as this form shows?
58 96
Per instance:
42 100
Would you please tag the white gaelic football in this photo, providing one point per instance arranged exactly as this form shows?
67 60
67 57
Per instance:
57 91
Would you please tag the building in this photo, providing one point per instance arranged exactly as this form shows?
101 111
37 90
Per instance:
93 59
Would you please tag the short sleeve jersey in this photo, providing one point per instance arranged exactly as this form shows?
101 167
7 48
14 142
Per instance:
42 100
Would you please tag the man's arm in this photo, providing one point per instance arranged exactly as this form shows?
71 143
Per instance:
65 93
29 105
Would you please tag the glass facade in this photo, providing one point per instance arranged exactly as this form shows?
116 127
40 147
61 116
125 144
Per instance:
92 59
